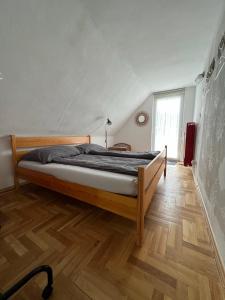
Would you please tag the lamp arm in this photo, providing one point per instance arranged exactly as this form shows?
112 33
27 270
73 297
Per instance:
106 137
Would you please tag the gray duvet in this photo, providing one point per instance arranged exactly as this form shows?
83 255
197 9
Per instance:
94 157
141 155
123 165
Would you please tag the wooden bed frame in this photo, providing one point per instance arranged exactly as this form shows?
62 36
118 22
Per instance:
133 208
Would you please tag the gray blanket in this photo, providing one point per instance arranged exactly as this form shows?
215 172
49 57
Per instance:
141 155
123 165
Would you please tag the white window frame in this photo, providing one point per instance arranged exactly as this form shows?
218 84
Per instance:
160 95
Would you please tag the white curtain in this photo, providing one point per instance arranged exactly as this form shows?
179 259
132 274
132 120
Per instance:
167 121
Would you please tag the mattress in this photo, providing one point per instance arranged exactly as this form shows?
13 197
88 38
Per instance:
108 181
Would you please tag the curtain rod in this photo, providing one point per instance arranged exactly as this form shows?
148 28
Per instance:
169 92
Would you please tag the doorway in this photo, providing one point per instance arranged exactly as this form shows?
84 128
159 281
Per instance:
167 117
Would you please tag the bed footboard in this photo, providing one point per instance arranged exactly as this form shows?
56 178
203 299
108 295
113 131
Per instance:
148 178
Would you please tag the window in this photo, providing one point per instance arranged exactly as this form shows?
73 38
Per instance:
166 122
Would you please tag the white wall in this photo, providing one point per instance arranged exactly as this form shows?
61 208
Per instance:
140 137
60 74
6 166
100 140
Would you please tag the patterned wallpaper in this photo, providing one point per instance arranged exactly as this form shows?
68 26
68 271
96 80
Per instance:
212 159
211 151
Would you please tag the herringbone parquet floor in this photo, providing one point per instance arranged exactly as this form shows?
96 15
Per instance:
93 252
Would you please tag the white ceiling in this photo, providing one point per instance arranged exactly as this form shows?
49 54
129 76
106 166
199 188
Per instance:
67 65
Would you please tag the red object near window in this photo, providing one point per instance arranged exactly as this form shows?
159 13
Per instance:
190 143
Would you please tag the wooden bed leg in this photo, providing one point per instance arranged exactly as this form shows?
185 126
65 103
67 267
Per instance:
17 184
140 207
13 143
140 231
165 161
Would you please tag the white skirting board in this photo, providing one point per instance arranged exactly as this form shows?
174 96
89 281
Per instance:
218 256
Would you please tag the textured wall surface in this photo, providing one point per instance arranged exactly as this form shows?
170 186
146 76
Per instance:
60 74
210 152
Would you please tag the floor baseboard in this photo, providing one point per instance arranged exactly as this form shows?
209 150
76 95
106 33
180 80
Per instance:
12 187
7 190
218 258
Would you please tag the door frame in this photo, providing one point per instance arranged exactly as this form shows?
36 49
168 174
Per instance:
171 93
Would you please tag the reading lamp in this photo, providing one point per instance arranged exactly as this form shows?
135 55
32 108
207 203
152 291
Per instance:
108 123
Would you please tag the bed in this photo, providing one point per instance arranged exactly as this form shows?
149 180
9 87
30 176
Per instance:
125 195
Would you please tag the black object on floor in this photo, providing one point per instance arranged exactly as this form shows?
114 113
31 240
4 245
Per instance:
47 290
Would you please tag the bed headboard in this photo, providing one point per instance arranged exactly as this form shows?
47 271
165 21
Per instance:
21 145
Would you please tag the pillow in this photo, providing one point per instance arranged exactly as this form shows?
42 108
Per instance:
86 148
46 155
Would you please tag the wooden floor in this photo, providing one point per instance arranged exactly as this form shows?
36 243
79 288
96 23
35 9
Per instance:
93 252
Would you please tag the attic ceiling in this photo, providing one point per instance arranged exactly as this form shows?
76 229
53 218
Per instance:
67 65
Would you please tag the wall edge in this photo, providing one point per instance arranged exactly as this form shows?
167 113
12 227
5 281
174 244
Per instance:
218 257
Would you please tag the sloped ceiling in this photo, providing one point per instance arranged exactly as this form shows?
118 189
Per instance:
67 65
